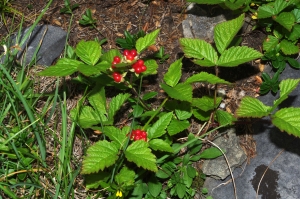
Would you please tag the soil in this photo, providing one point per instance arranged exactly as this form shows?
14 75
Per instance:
115 16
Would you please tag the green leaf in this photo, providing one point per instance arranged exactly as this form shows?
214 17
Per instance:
88 70
125 177
155 187
98 100
288 48
237 55
224 32
115 134
286 19
203 62
88 51
173 74
296 13
199 49
149 95
139 153
295 33
201 115
151 67
183 110
159 144
236 4
187 180
206 103
158 128
182 92
265 11
211 153
180 189
224 118
93 181
270 43
206 1
109 55
252 107
99 156
87 117
102 66
206 77
176 126
286 87
292 62
63 67
115 104
288 120
280 5
146 41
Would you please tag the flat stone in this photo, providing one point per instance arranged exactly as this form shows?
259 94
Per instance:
282 178
51 40
217 168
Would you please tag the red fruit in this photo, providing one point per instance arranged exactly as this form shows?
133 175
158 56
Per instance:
144 134
130 57
144 138
139 62
138 132
116 60
133 52
137 138
126 52
117 77
143 68
138 70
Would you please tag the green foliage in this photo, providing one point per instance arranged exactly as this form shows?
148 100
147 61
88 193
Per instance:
68 8
87 19
130 40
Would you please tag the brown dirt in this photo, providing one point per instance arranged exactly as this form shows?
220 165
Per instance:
115 16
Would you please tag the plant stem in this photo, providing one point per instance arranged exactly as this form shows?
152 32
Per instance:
156 112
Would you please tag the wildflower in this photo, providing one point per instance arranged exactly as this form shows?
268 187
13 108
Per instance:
119 193
254 16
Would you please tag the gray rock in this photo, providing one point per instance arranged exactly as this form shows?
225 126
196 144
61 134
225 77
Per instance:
200 23
217 168
282 179
52 40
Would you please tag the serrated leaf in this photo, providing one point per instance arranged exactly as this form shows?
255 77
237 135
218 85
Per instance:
288 48
183 110
95 180
109 55
176 126
88 51
63 67
125 177
87 117
173 74
224 118
211 153
88 70
155 187
203 62
234 5
286 87
265 10
201 115
295 33
270 43
206 103
146 41
224 32
103 66
158 128
159 144
205 77
115 134
280 5
182 92
99 156
115 104
286 19
151 67
149 95
206 1
139 153
237 55
296 13
199 49
252 107
288 120
98 100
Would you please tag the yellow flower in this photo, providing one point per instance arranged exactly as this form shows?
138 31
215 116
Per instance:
119 193
254 16
252 4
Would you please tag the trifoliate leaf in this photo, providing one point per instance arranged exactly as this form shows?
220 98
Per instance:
158 128
288 120
224 32
139 153
237 55
182 92
88 51
159 144
252 107
99 156
173 74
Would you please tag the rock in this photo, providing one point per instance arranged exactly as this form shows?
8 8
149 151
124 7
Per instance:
218 168
52 41
200 23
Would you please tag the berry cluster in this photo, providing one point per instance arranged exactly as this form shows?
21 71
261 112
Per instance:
117 76
139 66
138 135
130 55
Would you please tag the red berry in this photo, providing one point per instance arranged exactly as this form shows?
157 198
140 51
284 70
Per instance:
126 52
117 77
117 60
133 52
138 132
138 70
144 138
144 134
129 57
143 68
139 62
137 138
